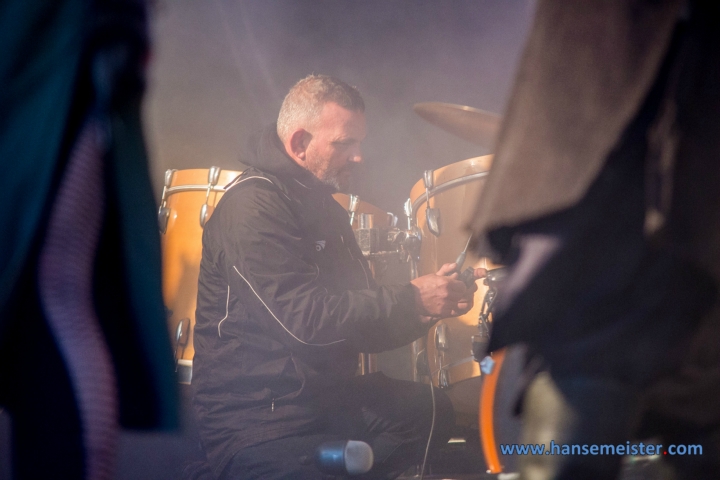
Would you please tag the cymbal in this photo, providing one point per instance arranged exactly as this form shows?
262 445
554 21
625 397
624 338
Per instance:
471 124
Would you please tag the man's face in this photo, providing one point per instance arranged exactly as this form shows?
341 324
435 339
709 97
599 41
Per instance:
334 148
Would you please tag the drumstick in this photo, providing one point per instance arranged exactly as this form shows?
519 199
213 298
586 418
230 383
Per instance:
461 258
468 276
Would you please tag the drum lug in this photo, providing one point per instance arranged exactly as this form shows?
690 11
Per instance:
163 217
443 378
213 175
163 211
441 337
392 220
205 213
432 215
407 207
181 339
168 176
487 365
353 206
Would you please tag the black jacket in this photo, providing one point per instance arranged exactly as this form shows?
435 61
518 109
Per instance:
286 302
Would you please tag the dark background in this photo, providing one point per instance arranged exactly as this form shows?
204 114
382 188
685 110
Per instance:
221 68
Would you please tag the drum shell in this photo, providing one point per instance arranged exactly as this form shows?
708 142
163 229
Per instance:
456 189
186 191
181 243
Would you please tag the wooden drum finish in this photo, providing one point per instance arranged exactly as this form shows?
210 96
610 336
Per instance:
185 193
448 345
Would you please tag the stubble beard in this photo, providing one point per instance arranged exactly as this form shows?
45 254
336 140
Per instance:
332 179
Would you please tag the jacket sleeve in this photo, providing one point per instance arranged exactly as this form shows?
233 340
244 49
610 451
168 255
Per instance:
263 259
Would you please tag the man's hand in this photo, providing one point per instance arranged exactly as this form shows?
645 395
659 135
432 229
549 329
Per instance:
443 295
466 303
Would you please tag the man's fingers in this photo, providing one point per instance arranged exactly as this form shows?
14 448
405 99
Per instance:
446 268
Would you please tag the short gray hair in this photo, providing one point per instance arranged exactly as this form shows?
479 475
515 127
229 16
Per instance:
305 100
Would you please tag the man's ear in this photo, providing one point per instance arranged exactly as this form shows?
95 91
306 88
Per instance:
299 141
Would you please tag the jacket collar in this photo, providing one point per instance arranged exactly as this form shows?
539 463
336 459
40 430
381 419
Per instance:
267 154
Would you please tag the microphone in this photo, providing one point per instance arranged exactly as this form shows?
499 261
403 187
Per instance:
344 457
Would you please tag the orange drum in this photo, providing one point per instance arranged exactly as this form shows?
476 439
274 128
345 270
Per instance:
453 194
499 394
188 200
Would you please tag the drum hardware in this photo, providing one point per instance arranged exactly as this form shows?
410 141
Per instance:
206 210
382 243
471 124
413 240
184 371
392 220
441 346
353 206
491 279
181 338
495 275
367 236
441 341
456 182
408 209
432 215
163 211
411 246
443 378
485 310
479 341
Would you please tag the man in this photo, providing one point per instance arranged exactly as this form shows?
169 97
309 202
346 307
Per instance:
286 302
603 199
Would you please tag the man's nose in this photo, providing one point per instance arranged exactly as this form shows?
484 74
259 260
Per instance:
356 156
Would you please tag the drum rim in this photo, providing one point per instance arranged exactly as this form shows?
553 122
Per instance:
446 186
193 188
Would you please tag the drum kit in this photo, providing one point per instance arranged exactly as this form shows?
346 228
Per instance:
482 387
